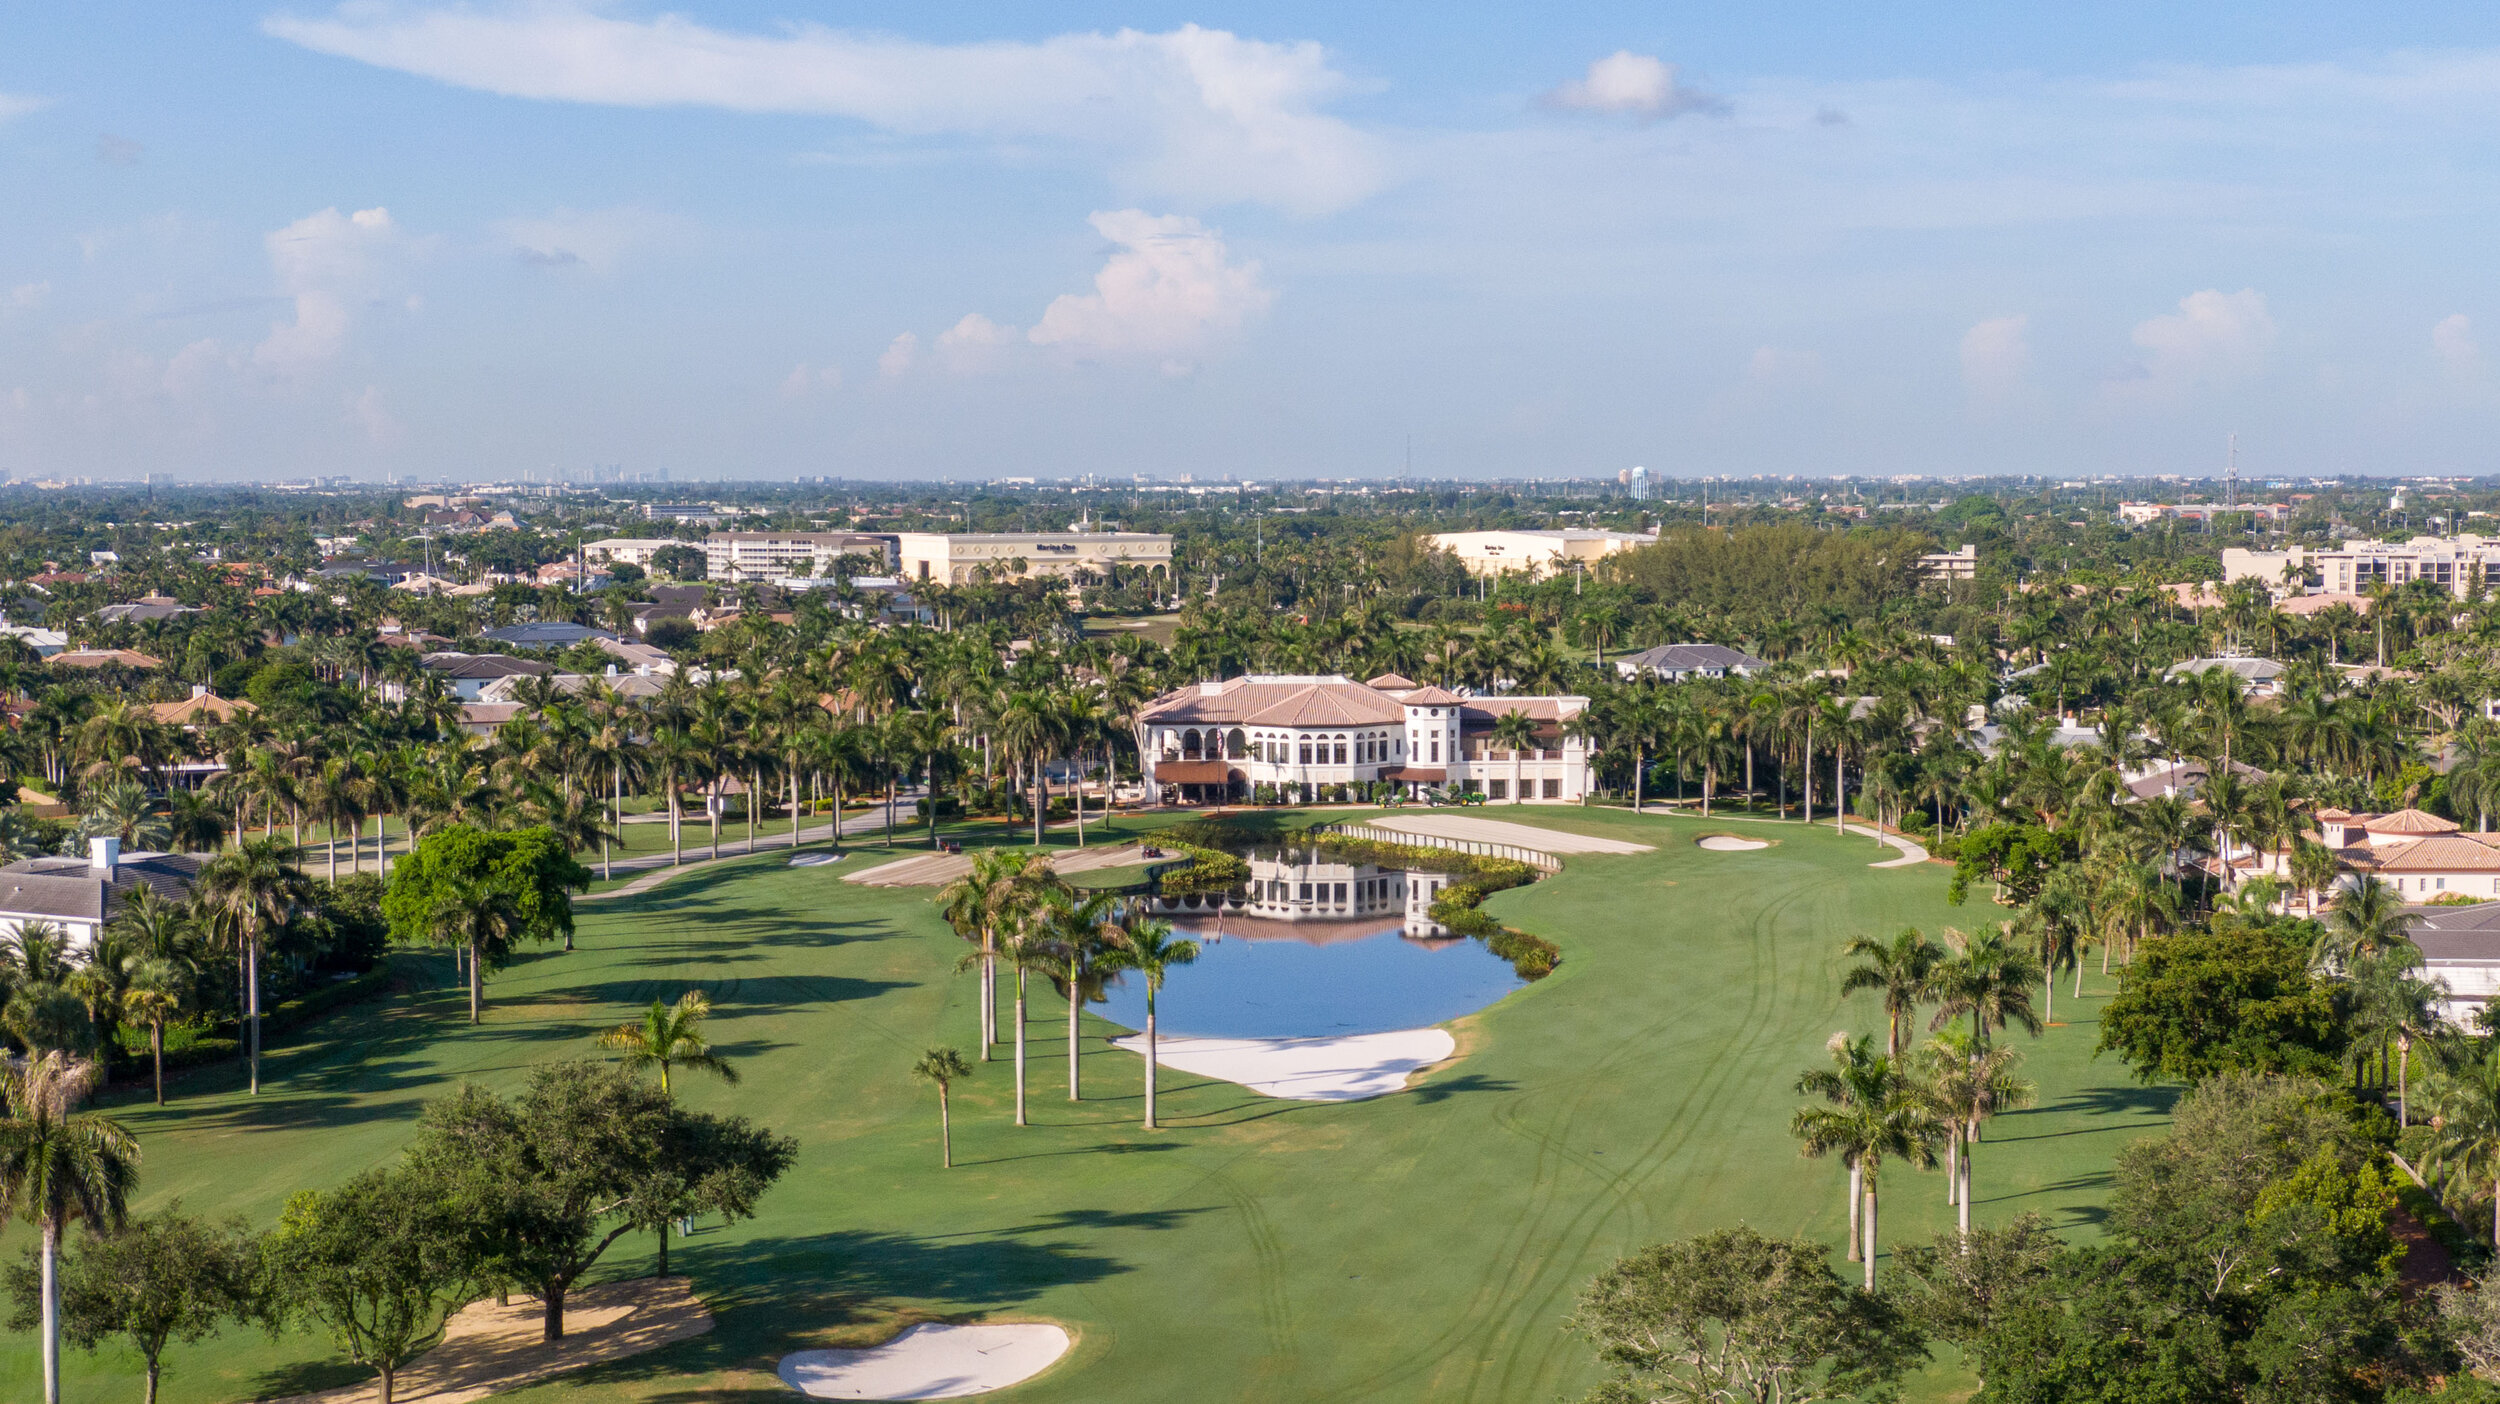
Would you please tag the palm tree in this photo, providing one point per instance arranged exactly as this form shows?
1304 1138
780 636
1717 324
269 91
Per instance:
1904 969
478 918
980 905
1073 927
257 888
943 1066
1514 732
1145 944
2465 1127
1990 980
2368 920
1872 1113
1966 1084
925 738
670 1036
57 1165
159 992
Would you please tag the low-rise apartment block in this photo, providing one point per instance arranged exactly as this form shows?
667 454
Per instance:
740 556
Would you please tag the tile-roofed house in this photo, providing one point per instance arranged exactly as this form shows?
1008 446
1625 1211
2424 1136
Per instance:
103 658
1302 736
79 895
2264 676
2460 947
1392 682
1676 662
2422 856
143 610
469 673
546 633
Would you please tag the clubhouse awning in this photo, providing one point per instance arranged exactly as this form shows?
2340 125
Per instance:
1189 772
1416 775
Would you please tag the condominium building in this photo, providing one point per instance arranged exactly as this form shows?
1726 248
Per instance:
2457 563
952 558
1303 735
626 550
739 556
1939 567
2144 513
1536 553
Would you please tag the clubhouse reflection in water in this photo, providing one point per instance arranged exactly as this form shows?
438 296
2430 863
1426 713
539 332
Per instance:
1313 892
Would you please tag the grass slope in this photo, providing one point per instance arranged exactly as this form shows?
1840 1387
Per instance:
1423 1246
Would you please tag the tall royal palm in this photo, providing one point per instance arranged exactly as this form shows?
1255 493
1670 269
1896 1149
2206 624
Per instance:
1965 1085
1146 945
1902 969
1074 932
981 905
257 888
2465 1127
2368 921
1870 1113
1990 980
57 1165
1515 732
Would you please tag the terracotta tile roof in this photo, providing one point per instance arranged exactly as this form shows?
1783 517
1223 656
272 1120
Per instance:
101 657
1431 697
2408 821
1287 701
2446 853
1322 704
205 709
1391 682
1192 772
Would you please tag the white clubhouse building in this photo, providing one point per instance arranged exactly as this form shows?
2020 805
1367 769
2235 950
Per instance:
1304 734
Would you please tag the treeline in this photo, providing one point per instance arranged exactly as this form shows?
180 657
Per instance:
1770 572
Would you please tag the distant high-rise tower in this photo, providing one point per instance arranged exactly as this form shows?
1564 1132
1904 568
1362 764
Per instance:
1640 485
2231 475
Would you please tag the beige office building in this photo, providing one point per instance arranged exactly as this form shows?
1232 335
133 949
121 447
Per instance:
738 556
1538 553
951 558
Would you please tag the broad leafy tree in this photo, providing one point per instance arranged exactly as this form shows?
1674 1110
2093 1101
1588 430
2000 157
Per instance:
163 1279
380 1262
484 891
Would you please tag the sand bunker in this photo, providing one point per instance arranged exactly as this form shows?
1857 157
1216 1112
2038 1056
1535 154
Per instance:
1730 843
1306 1069
488 1349
815 860
929 1361
1468 826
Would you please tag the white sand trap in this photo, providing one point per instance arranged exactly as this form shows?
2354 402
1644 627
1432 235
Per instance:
929 1361
1306 1069
815 860
1466 826
1729 843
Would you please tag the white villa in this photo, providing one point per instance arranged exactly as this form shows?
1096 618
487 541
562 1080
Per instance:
1303 733
2422 856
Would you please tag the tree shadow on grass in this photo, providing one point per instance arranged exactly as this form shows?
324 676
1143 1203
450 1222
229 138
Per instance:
2143 1103
1443 1090
307 1377
1099 1148
806 991
772 1295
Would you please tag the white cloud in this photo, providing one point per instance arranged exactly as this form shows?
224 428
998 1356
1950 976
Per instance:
2452 340
29 294
805 381
329 263
367 411
1626 84
2214 339
899 356
1195 113
1996 358
1168 291
973 344
18 105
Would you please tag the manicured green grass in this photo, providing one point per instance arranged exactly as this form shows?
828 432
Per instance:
1418 1247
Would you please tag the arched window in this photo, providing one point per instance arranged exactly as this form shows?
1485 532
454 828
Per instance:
1189 744
1236 744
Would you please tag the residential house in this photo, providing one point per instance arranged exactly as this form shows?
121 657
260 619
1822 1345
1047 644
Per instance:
80 895
2422 856
2263 676
104 658
1680 662
2460 947
1304 734
548 633
469 673
145 609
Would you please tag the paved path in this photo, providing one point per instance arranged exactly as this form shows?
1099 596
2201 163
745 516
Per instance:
938 869
873 821
1477 830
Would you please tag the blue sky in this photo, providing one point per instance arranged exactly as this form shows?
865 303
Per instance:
1273 241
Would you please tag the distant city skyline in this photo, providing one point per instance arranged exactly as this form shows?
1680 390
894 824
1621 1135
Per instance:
733 239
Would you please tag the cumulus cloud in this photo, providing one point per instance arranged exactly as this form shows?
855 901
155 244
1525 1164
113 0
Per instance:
974 344
805 381
1996 358
328 263
900 355
1196 113
1626 84
1170 290
2214 339
2452 341
18 105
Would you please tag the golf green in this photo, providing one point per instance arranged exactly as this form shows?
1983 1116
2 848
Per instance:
1421 1246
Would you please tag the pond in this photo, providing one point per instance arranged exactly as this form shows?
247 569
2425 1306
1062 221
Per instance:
1315 946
